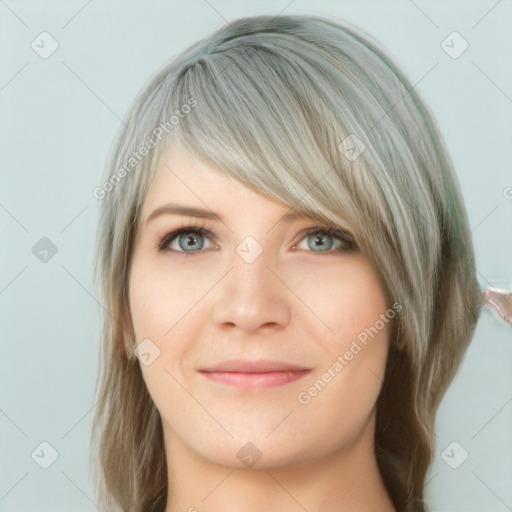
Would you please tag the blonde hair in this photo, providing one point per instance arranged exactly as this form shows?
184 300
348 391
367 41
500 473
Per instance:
286 105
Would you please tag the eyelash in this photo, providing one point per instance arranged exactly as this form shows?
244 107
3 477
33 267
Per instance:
347 244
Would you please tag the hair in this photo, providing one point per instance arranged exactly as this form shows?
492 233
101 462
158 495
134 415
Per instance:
271 102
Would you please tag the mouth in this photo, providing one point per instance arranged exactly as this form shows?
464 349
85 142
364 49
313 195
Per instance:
254 374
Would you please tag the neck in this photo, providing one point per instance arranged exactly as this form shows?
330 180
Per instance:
347 480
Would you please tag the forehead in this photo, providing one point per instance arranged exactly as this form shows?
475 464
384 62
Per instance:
180 173
182 181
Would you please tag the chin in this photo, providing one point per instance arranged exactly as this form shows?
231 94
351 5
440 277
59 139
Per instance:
258 451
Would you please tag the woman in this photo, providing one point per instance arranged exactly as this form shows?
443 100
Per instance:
288 277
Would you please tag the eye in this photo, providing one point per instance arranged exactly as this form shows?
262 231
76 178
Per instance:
322 240
327 240
186 240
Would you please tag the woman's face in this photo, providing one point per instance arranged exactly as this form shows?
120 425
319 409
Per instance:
261 340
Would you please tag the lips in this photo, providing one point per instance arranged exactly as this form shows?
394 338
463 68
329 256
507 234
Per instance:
261 365
254 374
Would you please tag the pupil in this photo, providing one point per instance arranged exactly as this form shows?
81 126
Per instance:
190 241
320 242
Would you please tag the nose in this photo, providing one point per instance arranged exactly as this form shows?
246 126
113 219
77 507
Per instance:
251 297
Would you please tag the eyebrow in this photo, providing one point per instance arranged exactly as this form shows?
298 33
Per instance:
177 209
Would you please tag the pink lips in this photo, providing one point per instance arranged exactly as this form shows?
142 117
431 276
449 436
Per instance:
254 374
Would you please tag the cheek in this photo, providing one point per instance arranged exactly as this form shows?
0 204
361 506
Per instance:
156 307
166 307
352 303
149 307
349 301
161 295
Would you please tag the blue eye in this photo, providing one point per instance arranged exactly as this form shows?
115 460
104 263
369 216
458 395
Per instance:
190 240
322 240
186 240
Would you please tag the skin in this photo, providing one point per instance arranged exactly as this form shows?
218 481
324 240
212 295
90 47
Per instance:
291 304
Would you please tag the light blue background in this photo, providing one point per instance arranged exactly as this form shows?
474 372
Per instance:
58 118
